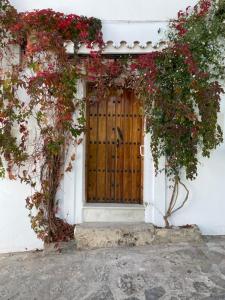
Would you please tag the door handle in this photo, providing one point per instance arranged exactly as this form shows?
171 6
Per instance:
120 134
142 150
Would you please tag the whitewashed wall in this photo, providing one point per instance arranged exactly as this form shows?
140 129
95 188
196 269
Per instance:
130 10
15 229
206 206
206 203
128 20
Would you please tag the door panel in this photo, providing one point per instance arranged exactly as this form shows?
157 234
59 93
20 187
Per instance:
113 162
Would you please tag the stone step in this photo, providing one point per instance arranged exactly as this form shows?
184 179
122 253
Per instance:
113 213
107 235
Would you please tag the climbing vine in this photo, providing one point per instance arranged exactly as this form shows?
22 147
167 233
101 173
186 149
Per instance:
181 92
180 89
38 104
179 86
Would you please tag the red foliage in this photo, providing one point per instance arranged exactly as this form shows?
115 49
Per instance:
180 27
147 63
201 10
97 67
52 28
65 231
179 24
184 50
43 77
66 22
204 7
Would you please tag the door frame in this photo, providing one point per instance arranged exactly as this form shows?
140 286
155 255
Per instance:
73 187
86 164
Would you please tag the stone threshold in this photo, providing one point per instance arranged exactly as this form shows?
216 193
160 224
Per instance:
117 213
109 235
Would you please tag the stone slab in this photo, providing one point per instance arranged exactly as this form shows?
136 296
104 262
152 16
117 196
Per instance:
178 235
110 235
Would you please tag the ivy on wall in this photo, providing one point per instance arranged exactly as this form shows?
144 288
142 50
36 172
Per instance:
179 87
181 92
37 126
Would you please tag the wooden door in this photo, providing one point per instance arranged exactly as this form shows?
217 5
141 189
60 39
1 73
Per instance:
113 161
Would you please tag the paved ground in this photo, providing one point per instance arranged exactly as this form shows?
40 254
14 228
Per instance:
182 271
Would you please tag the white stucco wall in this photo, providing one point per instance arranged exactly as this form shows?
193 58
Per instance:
128 20
206 205
15 229
131 10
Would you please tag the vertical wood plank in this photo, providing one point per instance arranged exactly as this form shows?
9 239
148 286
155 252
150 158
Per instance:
127 148
101 153
92 152
138 125
111 144
119 156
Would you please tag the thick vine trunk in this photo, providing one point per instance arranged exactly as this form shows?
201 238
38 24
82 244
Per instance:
173 200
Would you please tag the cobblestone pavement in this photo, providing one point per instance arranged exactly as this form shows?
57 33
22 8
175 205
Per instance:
176 271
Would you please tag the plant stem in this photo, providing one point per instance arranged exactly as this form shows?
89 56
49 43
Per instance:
173 201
